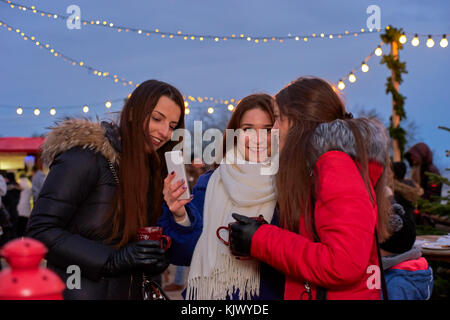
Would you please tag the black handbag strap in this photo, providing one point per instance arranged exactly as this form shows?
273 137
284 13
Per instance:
321 292
380 262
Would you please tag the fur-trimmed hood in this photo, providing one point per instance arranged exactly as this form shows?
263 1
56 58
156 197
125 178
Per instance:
337 135
70 133
410 192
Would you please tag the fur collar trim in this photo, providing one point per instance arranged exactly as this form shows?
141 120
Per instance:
337 135
72 133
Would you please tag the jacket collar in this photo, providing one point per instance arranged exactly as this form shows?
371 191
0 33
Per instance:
337 135
70 133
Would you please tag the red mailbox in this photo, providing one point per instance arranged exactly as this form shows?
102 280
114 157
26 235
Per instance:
25 280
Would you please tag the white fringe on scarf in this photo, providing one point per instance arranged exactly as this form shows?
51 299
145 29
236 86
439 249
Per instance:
234 274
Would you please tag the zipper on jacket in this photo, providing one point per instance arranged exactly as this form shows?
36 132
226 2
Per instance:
307 291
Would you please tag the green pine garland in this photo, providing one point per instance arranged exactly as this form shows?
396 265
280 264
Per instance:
398 68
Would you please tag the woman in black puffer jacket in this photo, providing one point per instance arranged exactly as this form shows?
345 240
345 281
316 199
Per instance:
90 207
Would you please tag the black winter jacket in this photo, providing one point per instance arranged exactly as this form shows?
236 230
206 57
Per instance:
72 207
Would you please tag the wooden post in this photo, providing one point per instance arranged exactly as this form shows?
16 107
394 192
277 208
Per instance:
395 118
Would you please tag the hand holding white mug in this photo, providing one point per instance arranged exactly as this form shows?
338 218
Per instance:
171 192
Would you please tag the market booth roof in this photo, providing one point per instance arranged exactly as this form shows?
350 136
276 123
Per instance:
21 145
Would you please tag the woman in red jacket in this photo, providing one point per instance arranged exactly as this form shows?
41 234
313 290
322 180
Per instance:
331 184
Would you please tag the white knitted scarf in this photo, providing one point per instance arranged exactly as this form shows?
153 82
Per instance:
214 272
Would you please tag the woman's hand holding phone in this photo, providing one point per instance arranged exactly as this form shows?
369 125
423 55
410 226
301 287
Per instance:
172 191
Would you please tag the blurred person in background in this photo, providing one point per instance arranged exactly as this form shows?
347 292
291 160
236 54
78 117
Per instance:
406 191
24 205
37 181
420 159
10 202
408 275
4 215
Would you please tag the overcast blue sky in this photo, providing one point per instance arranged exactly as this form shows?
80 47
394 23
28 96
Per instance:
31 77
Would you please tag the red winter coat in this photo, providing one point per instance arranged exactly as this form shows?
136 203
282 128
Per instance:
345 221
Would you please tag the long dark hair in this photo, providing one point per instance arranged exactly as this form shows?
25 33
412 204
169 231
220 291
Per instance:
141 168
308 102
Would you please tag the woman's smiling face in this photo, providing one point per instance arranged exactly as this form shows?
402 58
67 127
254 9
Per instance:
163 120
255 142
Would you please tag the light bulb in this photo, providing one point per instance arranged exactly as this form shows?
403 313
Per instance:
52 111
210 110
430 42
378 51
352 77
108 104
85 109
37 112
364 67
341 85
187 111
415 41
402 39
230 107
444 42
186 104
19 110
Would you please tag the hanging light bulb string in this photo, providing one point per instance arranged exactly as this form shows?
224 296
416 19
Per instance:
87 107
190 36
403 39
364 67
53 110
92 70
202 37
74 62
415 39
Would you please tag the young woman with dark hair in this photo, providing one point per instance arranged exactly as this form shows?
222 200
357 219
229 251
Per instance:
236 185
331 183
105 182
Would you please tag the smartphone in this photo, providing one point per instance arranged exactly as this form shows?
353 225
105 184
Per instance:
174 161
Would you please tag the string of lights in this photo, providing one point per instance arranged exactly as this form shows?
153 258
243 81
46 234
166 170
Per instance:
88 107
351 77
59 54
96 71
188 36
364 67
415 41
229 103
216 38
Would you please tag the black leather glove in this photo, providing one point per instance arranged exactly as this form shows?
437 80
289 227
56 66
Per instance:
242 233
146 256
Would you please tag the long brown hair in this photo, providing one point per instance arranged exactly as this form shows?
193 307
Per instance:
261 101
138 200
307 102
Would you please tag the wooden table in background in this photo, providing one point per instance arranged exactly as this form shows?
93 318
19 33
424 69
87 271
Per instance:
436 255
